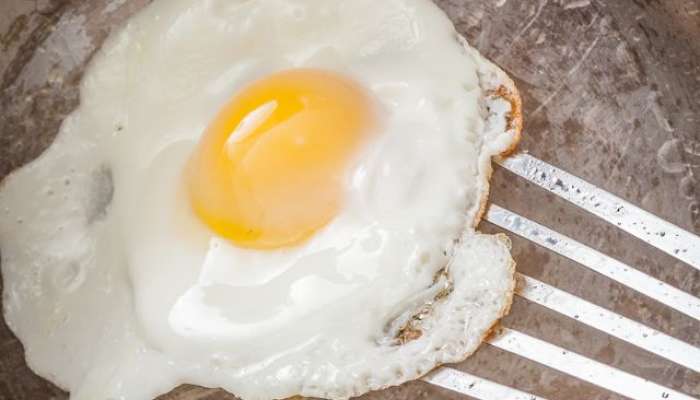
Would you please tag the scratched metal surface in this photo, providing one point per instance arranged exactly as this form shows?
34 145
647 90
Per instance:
611 93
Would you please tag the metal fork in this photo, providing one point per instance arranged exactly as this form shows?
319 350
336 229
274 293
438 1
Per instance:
656 232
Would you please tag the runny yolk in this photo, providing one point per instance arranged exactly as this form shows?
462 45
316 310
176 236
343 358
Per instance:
268 170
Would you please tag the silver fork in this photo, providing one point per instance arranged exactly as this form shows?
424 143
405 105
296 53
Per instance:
656 232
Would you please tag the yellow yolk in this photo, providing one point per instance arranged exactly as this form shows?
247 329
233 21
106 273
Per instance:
268 171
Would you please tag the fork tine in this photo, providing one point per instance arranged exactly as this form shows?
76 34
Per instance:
595 260
651 229
609 322
583 368
478 388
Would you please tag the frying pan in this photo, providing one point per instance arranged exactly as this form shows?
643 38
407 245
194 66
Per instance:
611 92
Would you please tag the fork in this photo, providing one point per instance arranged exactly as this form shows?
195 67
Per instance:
652 230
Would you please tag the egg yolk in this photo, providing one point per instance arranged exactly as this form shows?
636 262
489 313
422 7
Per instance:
269 169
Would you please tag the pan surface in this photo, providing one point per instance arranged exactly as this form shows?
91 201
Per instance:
611 92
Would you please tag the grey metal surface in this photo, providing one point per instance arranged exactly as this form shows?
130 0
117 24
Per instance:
611 92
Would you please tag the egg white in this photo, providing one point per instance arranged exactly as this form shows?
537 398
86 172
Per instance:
117 290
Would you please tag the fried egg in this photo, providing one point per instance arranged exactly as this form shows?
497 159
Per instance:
273 197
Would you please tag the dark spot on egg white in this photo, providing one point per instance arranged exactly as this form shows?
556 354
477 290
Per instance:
101 194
